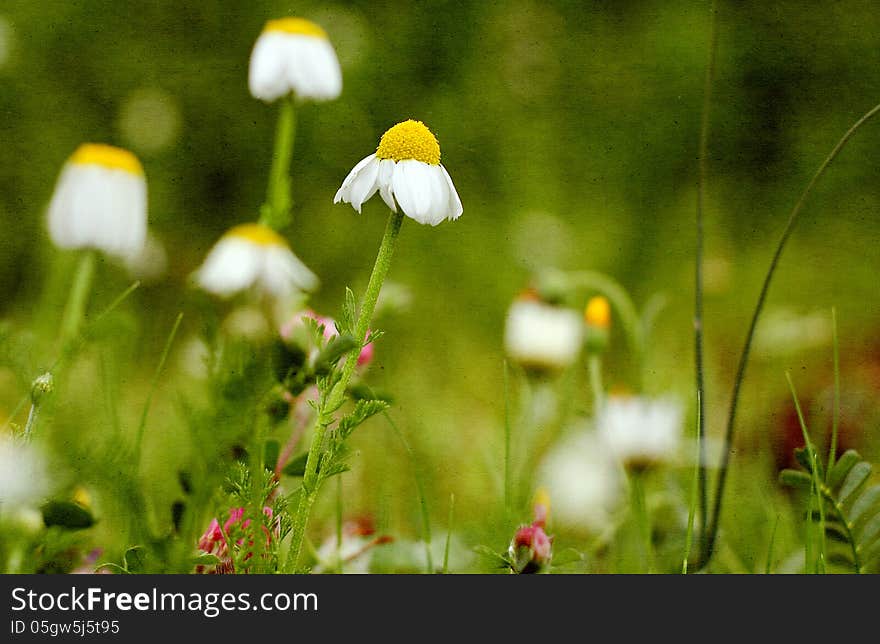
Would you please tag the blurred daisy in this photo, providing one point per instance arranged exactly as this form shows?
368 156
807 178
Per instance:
542 336
100 201
405 168
254 256
583 480
24 481
641 431
294 55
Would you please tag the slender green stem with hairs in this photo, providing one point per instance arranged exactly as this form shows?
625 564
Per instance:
276 211
336 397
709 544
698 272
75 309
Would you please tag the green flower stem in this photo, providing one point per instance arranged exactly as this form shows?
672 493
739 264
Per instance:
328 407
594 364
712 534
276 211
643 521
75 309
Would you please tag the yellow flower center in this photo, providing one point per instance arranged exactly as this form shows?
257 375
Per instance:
409 140
108 157
598 312
258 234
298 26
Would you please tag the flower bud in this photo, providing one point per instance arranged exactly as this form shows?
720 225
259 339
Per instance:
42 385
597 316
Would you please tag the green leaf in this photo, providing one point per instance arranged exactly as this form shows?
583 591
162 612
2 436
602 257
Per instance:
363 410
134 559
803 456
67 514
348 319
205 559
335 349
297 466
360 391
271 450
796 479
568 556
866 505
854 480
835 531
871 531
844 464
488 552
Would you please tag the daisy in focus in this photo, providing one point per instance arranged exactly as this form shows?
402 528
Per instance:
406 171
100 202
641 431
294 55
541 336
253 256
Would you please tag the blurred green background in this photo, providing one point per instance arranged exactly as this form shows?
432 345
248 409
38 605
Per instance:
570 130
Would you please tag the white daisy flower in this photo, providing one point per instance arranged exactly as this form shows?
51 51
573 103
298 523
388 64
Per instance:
294 55
584 482
254 256
100 201
641 431
543 336
405 168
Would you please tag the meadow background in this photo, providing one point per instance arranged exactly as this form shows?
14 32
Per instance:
571 132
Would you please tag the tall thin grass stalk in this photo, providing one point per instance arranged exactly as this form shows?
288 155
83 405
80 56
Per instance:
771 546
817 487
336 397
698 466
835 408
507 430
153 386
420 487
449 524
709 544
698 267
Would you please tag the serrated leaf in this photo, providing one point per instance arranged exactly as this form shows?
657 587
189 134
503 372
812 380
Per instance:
363 410
866 505
796 479
854 480
842 467
67 514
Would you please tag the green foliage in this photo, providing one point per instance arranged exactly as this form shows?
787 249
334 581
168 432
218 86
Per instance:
851 507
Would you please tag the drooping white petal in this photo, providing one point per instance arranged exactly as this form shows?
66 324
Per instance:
364 185
231 266
543 336
455 207
406 187
344 192
282 63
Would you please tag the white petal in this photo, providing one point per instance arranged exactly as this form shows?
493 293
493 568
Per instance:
231 266
344 192
412 189
455 207
364 185
266 74
386 174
